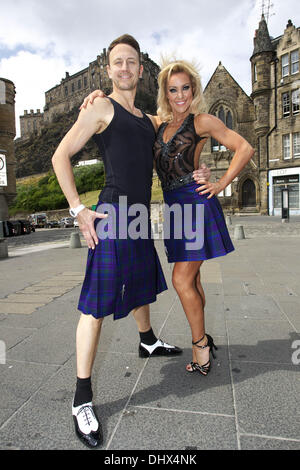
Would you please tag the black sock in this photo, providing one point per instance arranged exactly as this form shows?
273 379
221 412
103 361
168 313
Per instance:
83 393
148 337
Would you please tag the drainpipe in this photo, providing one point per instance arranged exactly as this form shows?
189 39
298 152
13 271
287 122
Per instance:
273 128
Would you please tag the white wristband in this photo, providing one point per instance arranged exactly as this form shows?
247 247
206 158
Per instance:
74 211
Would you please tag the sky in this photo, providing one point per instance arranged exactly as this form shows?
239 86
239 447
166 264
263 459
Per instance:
40 40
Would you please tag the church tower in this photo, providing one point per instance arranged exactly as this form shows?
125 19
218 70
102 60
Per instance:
261 66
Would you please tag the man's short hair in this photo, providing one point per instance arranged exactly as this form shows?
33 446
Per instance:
125 39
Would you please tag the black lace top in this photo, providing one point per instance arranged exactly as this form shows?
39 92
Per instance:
174 160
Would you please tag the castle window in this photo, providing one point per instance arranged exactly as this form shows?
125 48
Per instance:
85 82
296 101
73 87
255 72
79 84
285 65
66 91
295 61
286 104
286 146
296 145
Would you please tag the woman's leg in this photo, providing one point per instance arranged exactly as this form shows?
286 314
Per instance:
200 288
186 281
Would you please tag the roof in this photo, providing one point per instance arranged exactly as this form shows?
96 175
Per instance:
262 40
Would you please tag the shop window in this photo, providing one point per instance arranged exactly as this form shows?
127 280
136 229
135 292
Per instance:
291 182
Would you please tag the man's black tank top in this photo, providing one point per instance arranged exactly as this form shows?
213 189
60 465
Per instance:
126 147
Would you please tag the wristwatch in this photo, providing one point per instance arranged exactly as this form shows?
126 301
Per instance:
74 211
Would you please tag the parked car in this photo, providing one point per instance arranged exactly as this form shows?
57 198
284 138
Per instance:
67 222
12 228
76 224
26 226
52 224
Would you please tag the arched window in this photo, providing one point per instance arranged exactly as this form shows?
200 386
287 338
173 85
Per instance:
221 114
229 120
225 115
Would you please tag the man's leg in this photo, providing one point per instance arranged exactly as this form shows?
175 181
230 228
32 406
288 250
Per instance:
149 344
86 422
87 338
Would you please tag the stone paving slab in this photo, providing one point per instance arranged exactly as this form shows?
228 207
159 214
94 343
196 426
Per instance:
264 443
266 399
18 385
28 298
19 308
173 430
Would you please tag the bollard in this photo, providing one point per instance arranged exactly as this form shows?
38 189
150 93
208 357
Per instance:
228 220
75 240
239 232
3 249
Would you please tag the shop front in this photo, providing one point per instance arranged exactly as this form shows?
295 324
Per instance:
288 179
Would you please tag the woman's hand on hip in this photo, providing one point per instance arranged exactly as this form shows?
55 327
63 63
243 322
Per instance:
211 188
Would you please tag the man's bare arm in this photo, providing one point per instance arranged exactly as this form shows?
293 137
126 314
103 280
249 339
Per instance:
90 121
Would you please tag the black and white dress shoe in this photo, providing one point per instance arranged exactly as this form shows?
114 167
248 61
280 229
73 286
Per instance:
158 349
87 426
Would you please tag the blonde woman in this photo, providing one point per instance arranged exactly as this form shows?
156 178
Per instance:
182 130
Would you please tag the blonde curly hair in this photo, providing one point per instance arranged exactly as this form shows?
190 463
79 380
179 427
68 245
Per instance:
168 68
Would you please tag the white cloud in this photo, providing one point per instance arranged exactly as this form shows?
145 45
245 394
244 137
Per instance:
46 39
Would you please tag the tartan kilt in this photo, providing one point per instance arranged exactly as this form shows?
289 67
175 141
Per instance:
217 241
121 274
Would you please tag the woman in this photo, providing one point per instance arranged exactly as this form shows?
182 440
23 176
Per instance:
182 132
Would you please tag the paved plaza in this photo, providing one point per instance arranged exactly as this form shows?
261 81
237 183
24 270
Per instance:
249 400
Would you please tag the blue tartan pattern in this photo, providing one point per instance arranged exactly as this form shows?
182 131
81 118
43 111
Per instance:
121 274
217 240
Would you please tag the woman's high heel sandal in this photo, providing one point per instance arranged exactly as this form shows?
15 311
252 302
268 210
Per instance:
203 368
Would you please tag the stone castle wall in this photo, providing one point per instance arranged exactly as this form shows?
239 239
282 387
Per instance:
74 88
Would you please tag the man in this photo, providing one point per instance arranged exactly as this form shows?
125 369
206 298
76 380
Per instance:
125 137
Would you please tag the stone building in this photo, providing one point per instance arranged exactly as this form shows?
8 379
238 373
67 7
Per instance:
74 88
7 153
269 119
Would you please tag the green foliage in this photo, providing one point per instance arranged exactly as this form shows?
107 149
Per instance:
46 194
